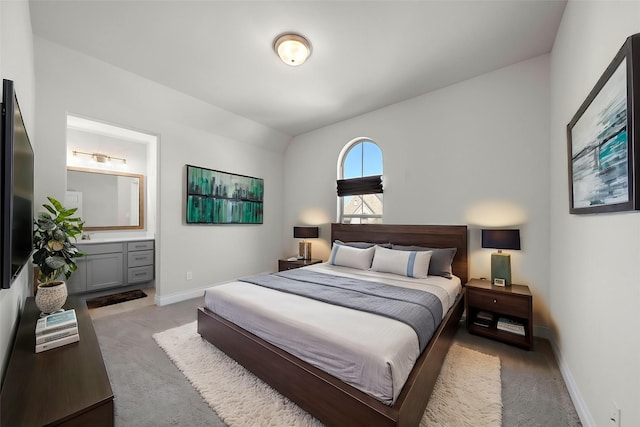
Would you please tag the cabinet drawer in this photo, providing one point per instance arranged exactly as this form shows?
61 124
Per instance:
140 274
140 258
514 305
101 248
140 246
283 265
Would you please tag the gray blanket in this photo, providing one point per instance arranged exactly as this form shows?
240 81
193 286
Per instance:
419 309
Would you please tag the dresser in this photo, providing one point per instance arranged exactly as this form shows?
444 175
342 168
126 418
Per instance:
65 386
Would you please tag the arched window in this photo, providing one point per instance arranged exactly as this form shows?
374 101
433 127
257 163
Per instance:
360 183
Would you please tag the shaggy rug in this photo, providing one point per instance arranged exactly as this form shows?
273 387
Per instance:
467 392
115 298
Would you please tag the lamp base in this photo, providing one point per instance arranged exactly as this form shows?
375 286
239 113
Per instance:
304 250
501 268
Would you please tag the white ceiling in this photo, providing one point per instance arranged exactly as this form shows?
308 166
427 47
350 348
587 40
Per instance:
366 54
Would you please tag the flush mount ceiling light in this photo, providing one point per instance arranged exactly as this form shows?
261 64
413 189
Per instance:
293 49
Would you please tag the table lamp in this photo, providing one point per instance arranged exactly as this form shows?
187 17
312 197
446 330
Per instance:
304 247
501 262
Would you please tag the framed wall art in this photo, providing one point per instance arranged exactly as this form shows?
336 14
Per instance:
216 197
602 139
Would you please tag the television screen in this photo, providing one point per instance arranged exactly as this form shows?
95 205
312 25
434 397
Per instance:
17 188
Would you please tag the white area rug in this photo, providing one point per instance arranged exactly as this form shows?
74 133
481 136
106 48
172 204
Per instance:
467 393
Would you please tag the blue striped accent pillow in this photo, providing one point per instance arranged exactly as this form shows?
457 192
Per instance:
405 263
348 256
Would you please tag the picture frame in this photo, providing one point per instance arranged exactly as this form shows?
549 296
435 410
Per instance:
217 197
602 139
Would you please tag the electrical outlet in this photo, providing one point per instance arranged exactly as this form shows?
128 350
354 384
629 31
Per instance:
189 275
614 415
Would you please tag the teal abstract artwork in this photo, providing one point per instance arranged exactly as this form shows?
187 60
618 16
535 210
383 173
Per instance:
216 197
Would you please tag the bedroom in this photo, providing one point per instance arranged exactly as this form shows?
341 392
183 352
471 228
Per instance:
563 260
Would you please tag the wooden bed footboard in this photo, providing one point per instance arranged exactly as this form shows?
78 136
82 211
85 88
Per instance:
330 400
327 398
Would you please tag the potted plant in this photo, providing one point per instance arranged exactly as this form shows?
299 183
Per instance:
55 253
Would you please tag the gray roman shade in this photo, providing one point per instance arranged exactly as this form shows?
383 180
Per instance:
364 185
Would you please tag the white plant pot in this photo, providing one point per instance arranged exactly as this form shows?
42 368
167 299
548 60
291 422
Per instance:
50 299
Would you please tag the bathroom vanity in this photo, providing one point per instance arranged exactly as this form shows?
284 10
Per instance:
112 263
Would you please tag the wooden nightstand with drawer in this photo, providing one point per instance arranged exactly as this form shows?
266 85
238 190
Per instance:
285 264
503 313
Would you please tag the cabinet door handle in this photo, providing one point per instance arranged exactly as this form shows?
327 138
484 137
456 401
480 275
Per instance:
495 301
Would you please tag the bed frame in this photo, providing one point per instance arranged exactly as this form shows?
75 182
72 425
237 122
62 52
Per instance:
325 397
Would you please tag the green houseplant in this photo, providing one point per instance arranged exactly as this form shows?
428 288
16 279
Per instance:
55 253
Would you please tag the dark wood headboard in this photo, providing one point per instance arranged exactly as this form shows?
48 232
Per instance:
433 236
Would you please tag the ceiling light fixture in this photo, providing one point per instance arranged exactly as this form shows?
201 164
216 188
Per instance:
100 158
293 49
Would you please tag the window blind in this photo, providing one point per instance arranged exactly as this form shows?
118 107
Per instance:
364 185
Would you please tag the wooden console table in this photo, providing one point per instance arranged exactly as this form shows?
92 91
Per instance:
65 386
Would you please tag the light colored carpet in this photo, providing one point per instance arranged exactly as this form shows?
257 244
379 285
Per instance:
467 393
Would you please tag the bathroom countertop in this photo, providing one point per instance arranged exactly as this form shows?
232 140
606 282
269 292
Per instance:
95 240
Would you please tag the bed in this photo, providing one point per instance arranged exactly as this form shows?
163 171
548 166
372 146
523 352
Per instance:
331 400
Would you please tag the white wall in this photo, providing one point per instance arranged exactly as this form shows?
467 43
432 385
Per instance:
594 258
16 63
190 132
134 152
473 153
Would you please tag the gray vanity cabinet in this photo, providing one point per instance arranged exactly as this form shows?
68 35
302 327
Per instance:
105 271
112 265
140 261
77 284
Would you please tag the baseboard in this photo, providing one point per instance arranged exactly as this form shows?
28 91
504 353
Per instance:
161 300
542 332
576 397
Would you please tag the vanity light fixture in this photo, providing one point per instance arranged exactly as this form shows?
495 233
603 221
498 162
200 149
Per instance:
293 49
99 157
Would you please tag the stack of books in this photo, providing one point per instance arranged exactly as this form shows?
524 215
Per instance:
56 330
484 319
509 325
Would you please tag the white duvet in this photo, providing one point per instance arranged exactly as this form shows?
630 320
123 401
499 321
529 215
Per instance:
372 353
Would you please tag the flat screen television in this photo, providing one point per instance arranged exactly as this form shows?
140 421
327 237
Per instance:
17 187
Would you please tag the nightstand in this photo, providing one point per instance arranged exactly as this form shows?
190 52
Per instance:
491 310
285 264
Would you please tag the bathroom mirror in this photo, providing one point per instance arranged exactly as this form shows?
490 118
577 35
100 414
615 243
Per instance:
106 200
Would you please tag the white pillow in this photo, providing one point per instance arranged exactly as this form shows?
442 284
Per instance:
348 256
406 263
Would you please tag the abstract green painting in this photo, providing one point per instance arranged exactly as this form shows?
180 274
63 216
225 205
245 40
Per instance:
216 197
